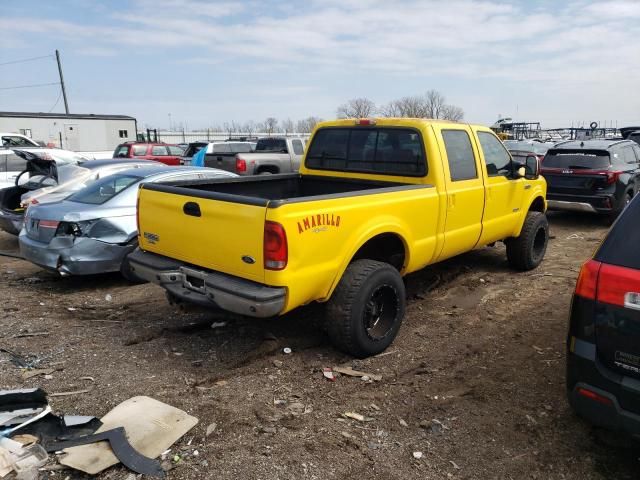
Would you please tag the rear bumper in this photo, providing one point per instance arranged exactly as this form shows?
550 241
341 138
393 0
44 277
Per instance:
209 288
582 203
74 256
584 371
11 222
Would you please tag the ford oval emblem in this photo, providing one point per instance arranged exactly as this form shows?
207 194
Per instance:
248 259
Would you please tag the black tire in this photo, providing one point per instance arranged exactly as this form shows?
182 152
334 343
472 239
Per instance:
366 310
527 251
127 273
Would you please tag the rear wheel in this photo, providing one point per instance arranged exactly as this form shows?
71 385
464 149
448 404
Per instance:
628 196
527 251
366 310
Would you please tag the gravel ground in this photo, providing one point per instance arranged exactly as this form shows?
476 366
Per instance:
474 381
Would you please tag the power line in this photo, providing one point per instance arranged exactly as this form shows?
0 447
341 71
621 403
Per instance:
58 99
29 86
25 60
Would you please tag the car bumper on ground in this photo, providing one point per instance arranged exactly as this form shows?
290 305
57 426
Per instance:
74 255
581 203
604 398
208 288
11 222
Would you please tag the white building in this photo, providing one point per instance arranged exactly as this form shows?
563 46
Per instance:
77 132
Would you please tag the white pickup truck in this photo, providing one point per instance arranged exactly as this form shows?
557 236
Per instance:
272 155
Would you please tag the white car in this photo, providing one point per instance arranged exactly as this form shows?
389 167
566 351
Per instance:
11 165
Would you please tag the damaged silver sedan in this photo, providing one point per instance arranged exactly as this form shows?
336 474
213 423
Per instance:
93 230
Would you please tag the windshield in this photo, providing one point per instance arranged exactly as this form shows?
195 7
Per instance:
584 159
9 141
271 145
104 190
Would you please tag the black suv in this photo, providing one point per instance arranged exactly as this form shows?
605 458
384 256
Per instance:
603 344
599 176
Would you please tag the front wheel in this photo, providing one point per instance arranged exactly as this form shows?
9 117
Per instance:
526 251
366 310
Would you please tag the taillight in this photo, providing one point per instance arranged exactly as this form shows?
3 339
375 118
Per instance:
276 253
588 280
612 177
241 165
619 286
138 213
596 397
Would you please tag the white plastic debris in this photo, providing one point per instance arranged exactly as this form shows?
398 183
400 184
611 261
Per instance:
417 455
108 297
286 350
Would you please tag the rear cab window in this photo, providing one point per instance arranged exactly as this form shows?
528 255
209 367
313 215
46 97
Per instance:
298 149
271 145
385 151
194 148
577 159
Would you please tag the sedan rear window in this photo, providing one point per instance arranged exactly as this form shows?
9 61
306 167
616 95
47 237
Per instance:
386 151
581 159
104 190
621 245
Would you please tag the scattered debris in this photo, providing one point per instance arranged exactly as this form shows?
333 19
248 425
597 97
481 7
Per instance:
30 334
72 309
357 416
403 423
454 464
37 371
328 374
74 392
211 428
355 373
417 455
108 297
151 427
286 350
433 426
218 324
278 363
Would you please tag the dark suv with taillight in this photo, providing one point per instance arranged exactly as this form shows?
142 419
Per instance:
603 344
599 176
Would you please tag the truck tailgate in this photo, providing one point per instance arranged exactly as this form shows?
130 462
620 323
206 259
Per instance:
218 235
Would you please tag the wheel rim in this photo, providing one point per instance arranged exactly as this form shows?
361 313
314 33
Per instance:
539 242
381 312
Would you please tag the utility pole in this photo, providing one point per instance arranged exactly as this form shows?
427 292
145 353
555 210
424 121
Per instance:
64 92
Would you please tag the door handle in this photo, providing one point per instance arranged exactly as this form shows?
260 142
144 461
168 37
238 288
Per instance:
451 200
192 209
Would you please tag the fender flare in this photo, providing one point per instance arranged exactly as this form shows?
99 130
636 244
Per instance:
364 236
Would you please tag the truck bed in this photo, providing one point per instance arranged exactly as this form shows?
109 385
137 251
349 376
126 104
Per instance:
275 190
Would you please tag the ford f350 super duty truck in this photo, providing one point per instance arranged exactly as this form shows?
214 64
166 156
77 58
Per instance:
375 199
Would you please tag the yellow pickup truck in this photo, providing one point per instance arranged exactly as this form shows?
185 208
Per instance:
375 199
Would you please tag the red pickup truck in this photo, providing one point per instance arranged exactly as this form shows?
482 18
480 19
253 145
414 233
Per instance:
160 152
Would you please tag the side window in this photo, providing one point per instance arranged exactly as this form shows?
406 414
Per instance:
495 155
298 149
637 152
159 150
122 151
627 155
139 150
462 163
175 150
15 163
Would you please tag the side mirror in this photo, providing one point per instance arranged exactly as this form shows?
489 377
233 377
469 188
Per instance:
532 168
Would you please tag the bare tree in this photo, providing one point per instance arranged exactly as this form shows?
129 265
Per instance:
270 125
249 128
287 126
356 108
413 107
308 124
453 113
434 103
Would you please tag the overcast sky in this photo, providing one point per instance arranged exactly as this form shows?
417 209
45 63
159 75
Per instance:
207 62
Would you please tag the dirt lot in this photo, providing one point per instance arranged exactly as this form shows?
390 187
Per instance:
481 351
